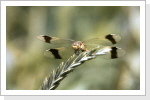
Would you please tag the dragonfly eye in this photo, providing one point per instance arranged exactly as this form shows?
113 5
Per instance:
75 44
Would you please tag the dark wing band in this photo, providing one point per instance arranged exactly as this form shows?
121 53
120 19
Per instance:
107 40
111 38
59 53
111 52
114 53
54 40
55 53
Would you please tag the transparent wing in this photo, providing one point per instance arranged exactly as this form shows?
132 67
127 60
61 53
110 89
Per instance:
107 40
109 52
59 53
54 41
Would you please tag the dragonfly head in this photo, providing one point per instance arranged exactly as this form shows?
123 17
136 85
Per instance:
78 46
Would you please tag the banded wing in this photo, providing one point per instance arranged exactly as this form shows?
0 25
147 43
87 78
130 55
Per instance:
104 44
59 53
60 48
55 42
107 40
109 52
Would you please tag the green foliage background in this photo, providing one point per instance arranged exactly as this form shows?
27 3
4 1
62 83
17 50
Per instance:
27 67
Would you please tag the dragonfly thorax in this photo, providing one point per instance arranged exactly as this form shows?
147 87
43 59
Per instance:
78 46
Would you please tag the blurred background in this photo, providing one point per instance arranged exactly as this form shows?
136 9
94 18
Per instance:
27 67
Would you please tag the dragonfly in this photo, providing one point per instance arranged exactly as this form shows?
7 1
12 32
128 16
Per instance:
63 48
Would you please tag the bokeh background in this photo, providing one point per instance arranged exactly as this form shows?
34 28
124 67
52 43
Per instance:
27 67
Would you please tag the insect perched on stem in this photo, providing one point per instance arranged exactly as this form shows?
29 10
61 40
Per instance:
62 48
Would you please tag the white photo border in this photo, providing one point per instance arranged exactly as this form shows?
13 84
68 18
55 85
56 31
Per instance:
72 3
